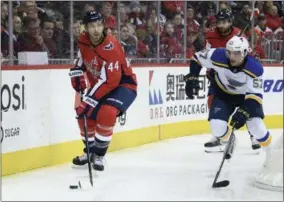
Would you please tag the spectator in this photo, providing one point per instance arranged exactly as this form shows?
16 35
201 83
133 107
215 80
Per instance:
172 7
207 8
210 24
279 35
259 5
194 36
258 51
47 30
114 33
110 20
267 6
153 19
15 6
61 37
76 29
280 6
108 31
273 19
151 39
17 23
145 6
4 15
191 22
242 19
31 40
223 5
280 30
5 32
262 25
123 14
29 8
142 47
170 46
89 7
193 43
129 42
59 24
136 17
178 26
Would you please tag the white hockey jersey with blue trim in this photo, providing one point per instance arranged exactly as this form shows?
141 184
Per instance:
248 81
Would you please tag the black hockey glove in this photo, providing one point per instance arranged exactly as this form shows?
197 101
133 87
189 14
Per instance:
210 73
239 118
256 56
192 85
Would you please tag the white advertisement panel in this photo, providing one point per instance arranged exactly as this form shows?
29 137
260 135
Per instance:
135 116
25 107
38 105
273 86
167 100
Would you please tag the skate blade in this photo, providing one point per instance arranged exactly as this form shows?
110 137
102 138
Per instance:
79 167
256 151
98 168
216 149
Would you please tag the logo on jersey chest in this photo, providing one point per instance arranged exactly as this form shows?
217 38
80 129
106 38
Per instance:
109 46
234 84
92 66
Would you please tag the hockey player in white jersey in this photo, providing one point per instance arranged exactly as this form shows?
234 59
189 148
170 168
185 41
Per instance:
237 87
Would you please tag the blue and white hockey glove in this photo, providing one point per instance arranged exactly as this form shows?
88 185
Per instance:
239 118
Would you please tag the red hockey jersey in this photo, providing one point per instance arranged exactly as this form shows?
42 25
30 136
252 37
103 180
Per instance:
105 64
215 40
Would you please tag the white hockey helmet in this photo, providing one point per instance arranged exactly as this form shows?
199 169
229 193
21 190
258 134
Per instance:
238 43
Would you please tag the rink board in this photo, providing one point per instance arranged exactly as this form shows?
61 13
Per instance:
39 128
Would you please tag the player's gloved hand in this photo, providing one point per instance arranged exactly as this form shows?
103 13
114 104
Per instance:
239 118
77 79
86 107
210 73
256 56
192 85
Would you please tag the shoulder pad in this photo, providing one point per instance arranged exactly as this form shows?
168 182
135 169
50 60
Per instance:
211 33
253 67
236 30
84 38
219 58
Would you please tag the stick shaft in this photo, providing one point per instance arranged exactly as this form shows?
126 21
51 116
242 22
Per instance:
87 150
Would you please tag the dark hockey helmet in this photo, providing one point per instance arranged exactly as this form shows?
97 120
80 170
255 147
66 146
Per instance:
225 14
93 16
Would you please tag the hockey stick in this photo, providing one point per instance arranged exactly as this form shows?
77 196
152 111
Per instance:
87 151
87 147
226 155
250 19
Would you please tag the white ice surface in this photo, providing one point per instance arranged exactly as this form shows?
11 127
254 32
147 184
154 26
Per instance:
175 169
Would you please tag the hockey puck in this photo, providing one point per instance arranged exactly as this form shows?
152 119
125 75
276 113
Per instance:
228 156
75 186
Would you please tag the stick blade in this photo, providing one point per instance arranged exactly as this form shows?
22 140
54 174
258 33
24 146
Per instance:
220 184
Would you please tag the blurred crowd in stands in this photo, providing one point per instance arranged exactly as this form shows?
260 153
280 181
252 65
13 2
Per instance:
45 25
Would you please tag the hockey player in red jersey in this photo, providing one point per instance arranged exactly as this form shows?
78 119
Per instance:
223 32
112 87
218 38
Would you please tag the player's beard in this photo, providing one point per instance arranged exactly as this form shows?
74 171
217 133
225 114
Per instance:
224 31
97 38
